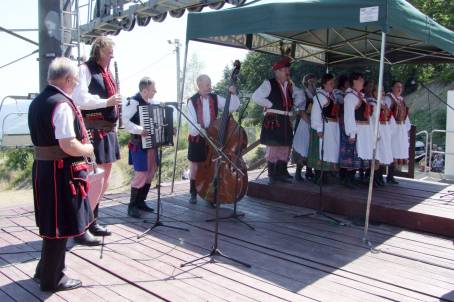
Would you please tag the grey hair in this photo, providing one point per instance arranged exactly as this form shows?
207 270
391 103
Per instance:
202 77
145 82
100 43
61 67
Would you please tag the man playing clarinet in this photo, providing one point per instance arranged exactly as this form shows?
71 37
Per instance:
96 95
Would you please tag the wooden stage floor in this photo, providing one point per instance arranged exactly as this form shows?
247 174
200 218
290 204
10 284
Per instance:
425 206
292 259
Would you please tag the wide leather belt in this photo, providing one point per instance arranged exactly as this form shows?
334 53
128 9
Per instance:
99 125
281 112
49 153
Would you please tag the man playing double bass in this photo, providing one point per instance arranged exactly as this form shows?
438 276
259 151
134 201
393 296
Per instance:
203 108
277 96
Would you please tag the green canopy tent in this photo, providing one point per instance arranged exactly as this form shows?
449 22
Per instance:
329 32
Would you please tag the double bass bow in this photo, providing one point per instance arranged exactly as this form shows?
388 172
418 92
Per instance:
231 181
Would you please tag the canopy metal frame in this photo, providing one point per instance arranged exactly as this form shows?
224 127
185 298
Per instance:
383 45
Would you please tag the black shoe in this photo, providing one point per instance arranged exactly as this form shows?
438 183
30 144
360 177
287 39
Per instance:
272 180
36 277
144 207
392 181
298 176
272 172
67 285
141 197
282 166
309 174
87 239
193 199
193 192
99 230
134 212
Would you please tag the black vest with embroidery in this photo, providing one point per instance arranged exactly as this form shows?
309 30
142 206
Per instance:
136 118
195 103
97 87
330 109
40 116
362 112
277 99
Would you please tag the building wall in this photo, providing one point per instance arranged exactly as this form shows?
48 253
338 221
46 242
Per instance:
449 159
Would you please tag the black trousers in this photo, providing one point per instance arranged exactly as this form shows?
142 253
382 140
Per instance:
52 263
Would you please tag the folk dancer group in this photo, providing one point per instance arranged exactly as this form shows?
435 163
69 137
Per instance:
75 117
334 127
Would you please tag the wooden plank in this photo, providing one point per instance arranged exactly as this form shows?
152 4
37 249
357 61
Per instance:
291 259
300 271
419 217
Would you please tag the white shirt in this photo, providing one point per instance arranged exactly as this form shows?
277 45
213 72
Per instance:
234 104
316 114
81 96
351 100
63 119
261 94
129 109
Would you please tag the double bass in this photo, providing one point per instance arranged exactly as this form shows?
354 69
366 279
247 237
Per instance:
229 181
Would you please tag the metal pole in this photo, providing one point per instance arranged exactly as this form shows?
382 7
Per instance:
180 105
78 31
377 110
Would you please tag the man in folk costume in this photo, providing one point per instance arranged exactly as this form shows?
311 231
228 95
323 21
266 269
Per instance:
400 128
358 149
301 141
325 125
60 185
384 154
276 95
144 161
96 95
203 108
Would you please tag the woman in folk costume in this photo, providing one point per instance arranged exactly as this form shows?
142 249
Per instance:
400 128
277 97
302 137
356 152
325 126
343 83
384 156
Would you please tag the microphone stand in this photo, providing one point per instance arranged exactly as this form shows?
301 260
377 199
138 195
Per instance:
158 221
319 211
235 214
215 251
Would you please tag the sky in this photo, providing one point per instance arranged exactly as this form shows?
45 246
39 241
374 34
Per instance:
144 51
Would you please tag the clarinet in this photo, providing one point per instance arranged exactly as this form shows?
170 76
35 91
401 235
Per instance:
117 83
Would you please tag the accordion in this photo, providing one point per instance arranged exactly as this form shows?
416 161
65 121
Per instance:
157 120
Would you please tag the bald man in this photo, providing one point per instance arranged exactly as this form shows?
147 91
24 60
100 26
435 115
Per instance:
203 108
